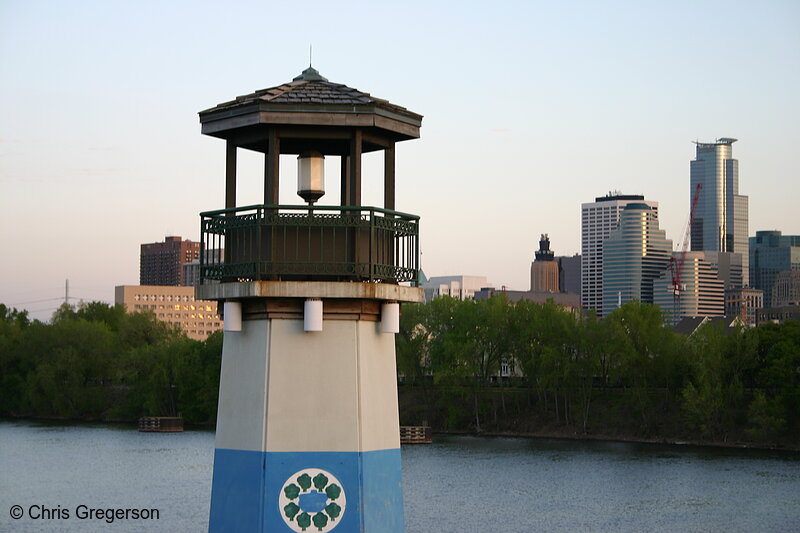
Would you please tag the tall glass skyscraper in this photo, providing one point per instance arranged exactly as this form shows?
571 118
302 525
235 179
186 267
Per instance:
598 220
721 217
634 256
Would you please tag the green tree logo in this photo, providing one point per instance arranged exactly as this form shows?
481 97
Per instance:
312 500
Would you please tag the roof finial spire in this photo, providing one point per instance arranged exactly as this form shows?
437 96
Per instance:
309 55
310 74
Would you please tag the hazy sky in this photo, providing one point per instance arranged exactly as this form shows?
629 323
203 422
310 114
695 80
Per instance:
531 108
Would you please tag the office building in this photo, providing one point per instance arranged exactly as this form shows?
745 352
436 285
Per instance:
569 273
547 279
566 300
161 263
191 273
720 222
702 293
635 254
191 270
544 269
598 220
778 315
729 267
173 305
786 289
745 303
460 287
770 254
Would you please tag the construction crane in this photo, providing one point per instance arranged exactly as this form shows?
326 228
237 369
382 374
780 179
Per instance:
743 303
676 261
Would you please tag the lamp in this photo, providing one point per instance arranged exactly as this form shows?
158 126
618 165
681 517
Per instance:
311 176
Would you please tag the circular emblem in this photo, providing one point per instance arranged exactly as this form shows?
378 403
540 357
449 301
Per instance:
312 496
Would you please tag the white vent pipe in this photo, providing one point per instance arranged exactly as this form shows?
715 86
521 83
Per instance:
233 316
390 317
312 315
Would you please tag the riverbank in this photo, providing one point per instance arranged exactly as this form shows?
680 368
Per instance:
573 436
614 416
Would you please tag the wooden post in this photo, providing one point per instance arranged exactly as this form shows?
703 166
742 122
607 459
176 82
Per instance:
230 174
230 197
271 189
345 181
388 178
355 168
272 167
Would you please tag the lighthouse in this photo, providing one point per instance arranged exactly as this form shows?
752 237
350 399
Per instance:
307 427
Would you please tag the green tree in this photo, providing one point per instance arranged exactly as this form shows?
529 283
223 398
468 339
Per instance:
544 341
13 368
150 374
636 330
776 413
590 354
143 328
714 392
766 417
469 343
111 315
73 361
197 377
412 348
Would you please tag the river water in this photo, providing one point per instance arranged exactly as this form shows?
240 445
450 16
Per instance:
457 484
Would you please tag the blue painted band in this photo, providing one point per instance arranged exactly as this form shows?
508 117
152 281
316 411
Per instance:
247 487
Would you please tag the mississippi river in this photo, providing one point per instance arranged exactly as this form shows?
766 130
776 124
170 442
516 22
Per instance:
75 478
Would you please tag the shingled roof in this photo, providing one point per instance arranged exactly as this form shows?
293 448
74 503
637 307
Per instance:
312 88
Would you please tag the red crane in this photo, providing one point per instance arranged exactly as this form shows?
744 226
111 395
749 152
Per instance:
676 261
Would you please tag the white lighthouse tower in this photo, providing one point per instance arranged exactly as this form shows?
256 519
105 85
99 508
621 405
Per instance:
307 428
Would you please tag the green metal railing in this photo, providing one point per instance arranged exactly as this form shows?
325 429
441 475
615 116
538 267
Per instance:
300 242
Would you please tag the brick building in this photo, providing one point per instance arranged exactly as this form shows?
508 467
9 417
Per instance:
161 263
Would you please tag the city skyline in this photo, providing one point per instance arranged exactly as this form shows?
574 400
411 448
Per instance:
100 140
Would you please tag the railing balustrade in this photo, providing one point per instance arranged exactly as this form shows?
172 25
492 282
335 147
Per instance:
324 243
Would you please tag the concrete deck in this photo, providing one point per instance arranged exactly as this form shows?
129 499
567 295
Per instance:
309 289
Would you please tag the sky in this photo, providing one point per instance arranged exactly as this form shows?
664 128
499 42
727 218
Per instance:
530 109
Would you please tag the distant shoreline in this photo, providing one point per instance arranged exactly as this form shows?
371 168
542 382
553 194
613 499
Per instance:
555 435
629 439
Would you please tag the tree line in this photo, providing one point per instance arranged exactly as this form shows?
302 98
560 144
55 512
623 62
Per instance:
466 365
97 362
490 365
